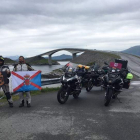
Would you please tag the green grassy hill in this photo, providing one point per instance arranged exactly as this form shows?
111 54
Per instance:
38 60
8 61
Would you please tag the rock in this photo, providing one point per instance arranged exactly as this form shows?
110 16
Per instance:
91 57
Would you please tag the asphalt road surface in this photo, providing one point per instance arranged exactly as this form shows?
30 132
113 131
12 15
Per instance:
133 62
85 118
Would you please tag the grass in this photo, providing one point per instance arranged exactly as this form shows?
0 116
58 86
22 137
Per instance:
33 93
44 90
38 60
57 70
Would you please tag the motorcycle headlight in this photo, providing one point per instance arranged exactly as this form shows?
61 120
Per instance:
63 78
113 70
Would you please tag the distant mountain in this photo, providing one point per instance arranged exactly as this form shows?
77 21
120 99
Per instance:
133 50
62 57
13 57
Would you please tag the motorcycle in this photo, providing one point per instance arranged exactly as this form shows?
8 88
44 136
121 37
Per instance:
71 85
84 75
114 82
97 76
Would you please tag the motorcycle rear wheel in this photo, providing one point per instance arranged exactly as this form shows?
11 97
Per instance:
89 86
108 97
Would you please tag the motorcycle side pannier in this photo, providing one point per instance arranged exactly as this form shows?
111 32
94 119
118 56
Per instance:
126 83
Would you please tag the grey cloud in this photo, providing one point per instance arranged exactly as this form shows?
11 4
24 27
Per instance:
40 24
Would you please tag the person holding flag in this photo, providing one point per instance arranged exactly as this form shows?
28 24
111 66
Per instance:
22 66
4 81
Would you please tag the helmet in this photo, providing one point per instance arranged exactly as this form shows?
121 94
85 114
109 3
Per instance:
1 59
129 76
80 66
87 67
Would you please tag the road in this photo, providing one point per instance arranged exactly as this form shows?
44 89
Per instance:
133 62
85 118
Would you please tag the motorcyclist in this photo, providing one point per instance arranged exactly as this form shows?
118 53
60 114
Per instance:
22 66
4 81
80 70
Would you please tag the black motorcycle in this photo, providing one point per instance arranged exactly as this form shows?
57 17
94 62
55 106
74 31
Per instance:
71 85
96 77
85 76
114 84
106 68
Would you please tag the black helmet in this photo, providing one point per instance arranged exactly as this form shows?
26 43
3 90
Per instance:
2 59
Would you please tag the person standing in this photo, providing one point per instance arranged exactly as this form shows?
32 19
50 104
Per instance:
23 66
4 81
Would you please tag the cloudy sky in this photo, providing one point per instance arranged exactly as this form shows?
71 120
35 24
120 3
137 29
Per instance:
32 27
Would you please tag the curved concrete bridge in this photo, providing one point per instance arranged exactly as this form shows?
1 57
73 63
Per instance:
73 51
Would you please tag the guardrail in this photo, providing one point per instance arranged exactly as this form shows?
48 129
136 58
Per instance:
50 81
136 73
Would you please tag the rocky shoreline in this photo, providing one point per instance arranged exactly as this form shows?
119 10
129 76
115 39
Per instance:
54 74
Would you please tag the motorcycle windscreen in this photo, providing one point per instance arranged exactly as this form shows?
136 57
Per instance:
96 67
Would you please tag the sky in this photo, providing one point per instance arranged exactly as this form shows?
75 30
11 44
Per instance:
32 27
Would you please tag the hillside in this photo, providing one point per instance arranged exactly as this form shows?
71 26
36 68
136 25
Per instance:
133 50
38 60
8 61
90 57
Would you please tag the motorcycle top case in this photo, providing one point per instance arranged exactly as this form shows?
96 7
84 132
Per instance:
129 76
123 62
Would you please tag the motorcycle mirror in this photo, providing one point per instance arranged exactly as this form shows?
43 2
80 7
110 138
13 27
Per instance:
105 63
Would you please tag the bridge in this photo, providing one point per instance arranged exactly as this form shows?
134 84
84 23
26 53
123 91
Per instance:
73 51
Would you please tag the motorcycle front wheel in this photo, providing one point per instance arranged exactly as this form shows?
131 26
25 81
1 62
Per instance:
108 97
62 96
76 94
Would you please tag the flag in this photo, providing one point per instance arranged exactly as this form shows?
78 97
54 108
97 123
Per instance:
26 81
115 65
